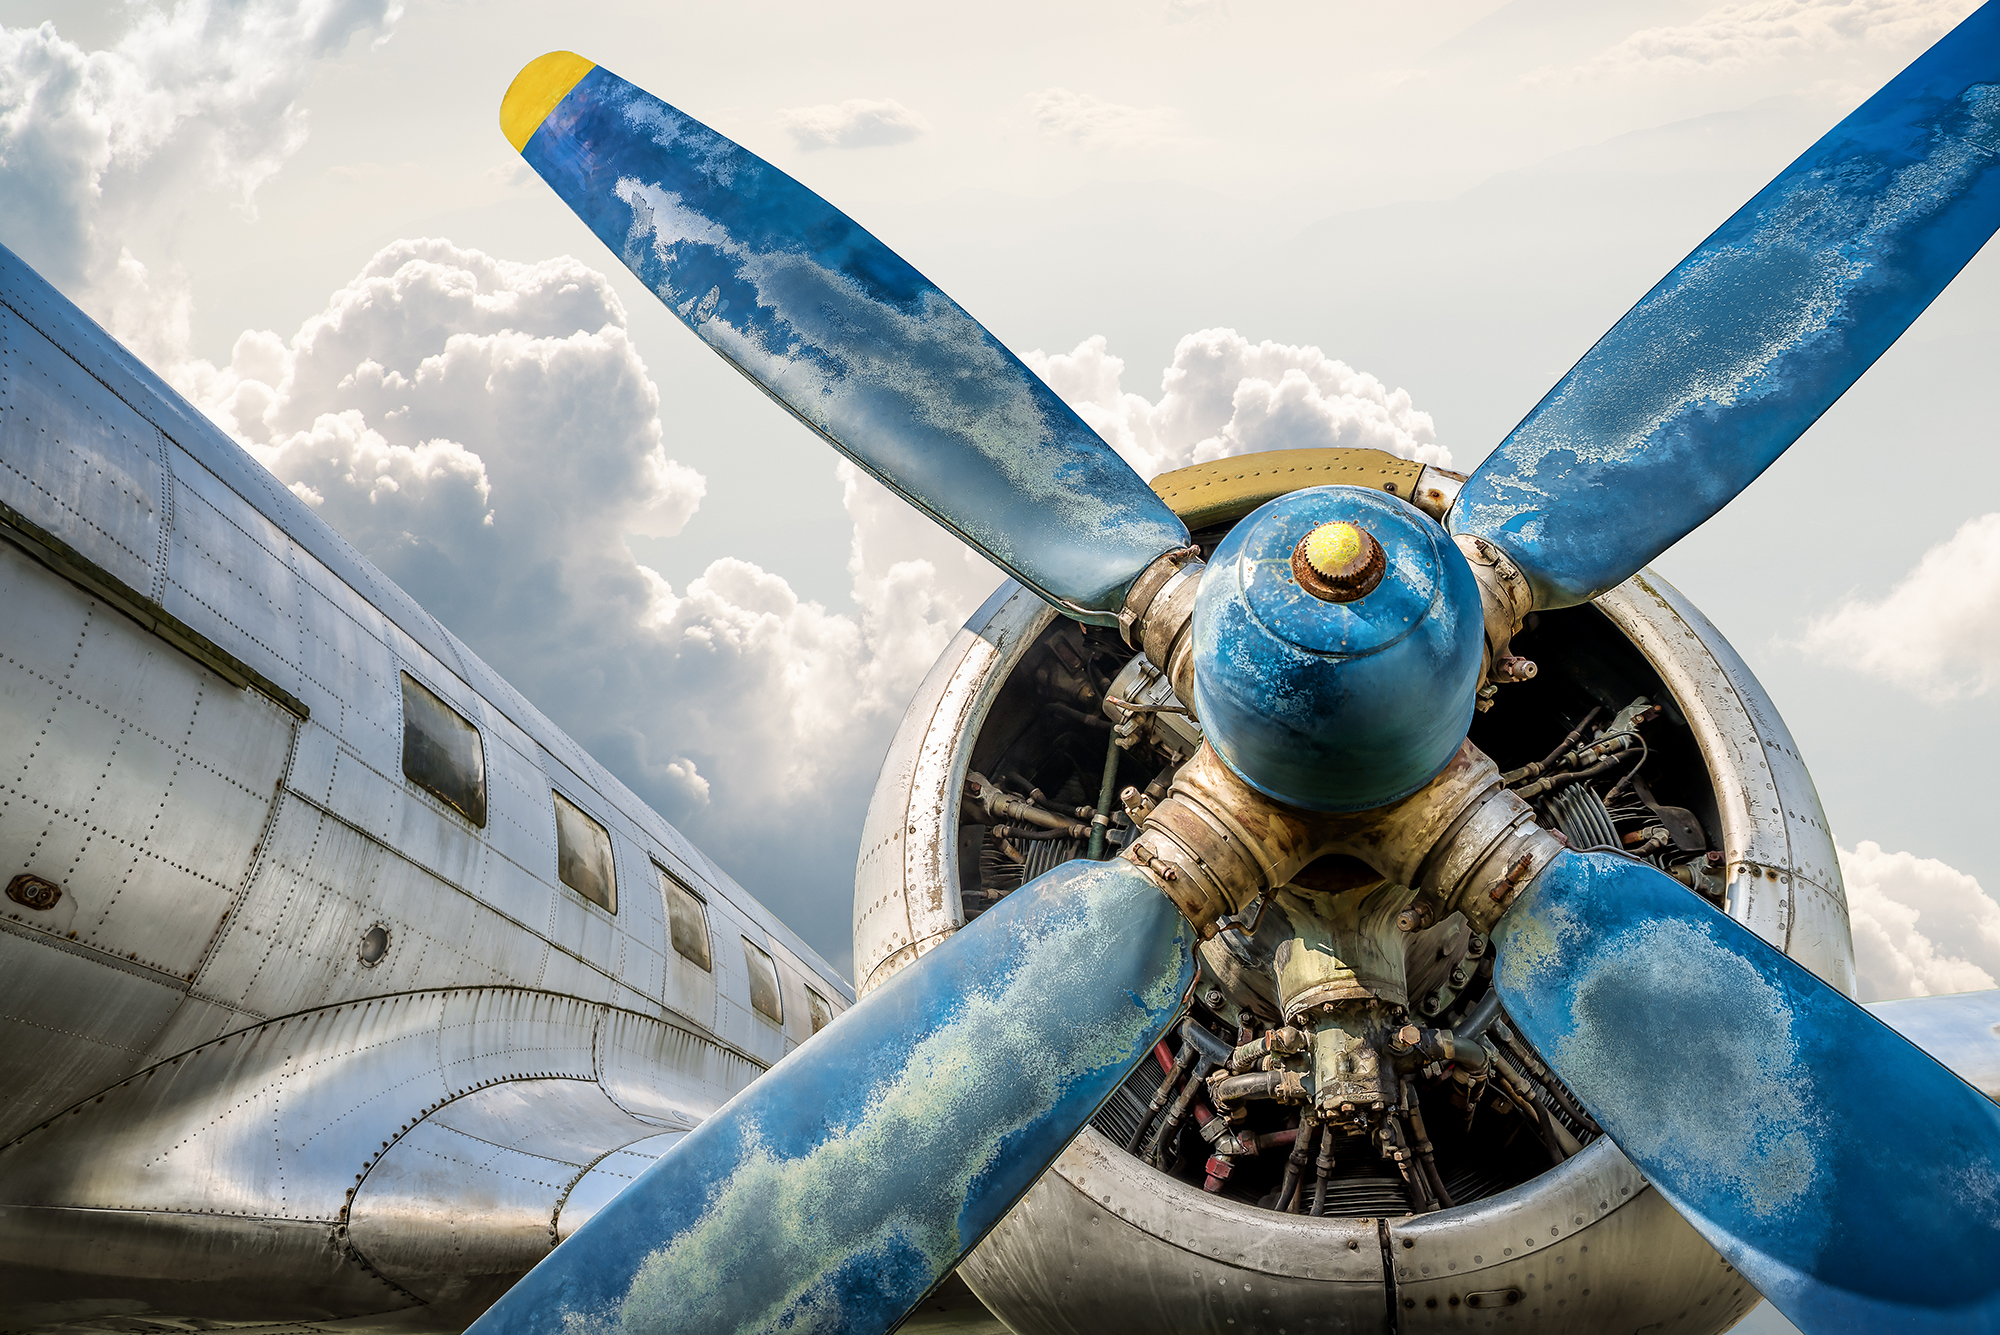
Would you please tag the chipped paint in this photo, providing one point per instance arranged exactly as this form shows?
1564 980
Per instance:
853 341
835 1192
1814 1147
1336 706
1718 369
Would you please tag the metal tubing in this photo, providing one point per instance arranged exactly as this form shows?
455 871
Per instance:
1295 1165
1105 792
1175 1071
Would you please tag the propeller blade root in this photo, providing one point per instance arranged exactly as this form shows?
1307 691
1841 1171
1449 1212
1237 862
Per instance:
1842 1170
843 333
843 1185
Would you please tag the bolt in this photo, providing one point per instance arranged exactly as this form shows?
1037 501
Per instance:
1213 998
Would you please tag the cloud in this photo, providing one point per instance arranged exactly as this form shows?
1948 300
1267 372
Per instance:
1921 928
1089 123
204 96
1737 36
486 433
856 123
1936 633
1225 396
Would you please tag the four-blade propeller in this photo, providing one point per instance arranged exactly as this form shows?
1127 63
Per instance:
1771 1111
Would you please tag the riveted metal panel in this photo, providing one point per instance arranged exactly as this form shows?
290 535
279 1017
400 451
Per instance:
666 1074
77 461
1784 873
1093 1248
1584 1255
228 576
276 1124
54 1051
465 1201
904 890
607 1177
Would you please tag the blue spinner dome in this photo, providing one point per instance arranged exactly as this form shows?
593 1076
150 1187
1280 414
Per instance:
1337 641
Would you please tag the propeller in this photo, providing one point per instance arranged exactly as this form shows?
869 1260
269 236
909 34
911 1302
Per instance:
843 333
1727 361
1778 1117
848 1181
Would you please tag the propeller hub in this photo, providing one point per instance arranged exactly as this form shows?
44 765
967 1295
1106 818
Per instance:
1338 562
1337 644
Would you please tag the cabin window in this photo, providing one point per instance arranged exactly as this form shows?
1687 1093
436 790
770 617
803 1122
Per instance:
822 1014
764 996
583 855
687 920
442 753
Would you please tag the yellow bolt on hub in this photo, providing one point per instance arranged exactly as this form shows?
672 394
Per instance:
1338 562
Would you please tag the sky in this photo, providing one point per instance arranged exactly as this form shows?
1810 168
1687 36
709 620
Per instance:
1215 227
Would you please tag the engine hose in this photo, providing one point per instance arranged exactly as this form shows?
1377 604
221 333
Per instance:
1295 1166
1422 1136
1100 820
1170 1125
1525 1091
1175 1070
1284 1086
1323 1172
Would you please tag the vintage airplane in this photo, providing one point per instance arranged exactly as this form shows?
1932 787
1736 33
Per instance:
1363 908
341 986
336 982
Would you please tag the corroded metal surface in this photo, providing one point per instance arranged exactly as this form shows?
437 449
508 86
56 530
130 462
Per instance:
856 343
833 1195
1735 353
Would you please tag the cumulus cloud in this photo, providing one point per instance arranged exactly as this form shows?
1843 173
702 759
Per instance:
201 96
1224 395
1737 36
1936 633
487 434
1921 928
1089 123
856 123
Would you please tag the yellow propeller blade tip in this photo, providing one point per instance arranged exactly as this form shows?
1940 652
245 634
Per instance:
536 91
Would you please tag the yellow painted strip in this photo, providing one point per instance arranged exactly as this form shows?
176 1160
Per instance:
537 90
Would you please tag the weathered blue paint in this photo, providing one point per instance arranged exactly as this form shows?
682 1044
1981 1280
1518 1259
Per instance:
860 346
840 1187
1336 706
1850 1177
1737 351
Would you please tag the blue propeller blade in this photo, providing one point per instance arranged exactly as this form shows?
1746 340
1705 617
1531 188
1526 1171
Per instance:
840 330
1850 1177
840 1187
1722 366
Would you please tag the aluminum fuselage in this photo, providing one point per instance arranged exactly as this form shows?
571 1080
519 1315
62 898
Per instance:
212 1105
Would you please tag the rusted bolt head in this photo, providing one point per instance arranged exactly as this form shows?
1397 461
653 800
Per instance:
1338 562
1713 858
1409 1035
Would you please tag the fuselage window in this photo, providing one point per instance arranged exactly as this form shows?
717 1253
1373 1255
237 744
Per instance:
687 921
583 855
822 1014
442 753
763 984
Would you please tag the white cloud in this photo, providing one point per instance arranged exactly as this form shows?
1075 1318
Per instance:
1225 396
202 97
858 122
1936 633
1736 36
1921 928
487 434
1089 123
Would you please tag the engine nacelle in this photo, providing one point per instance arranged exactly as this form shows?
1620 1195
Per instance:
1109 1241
